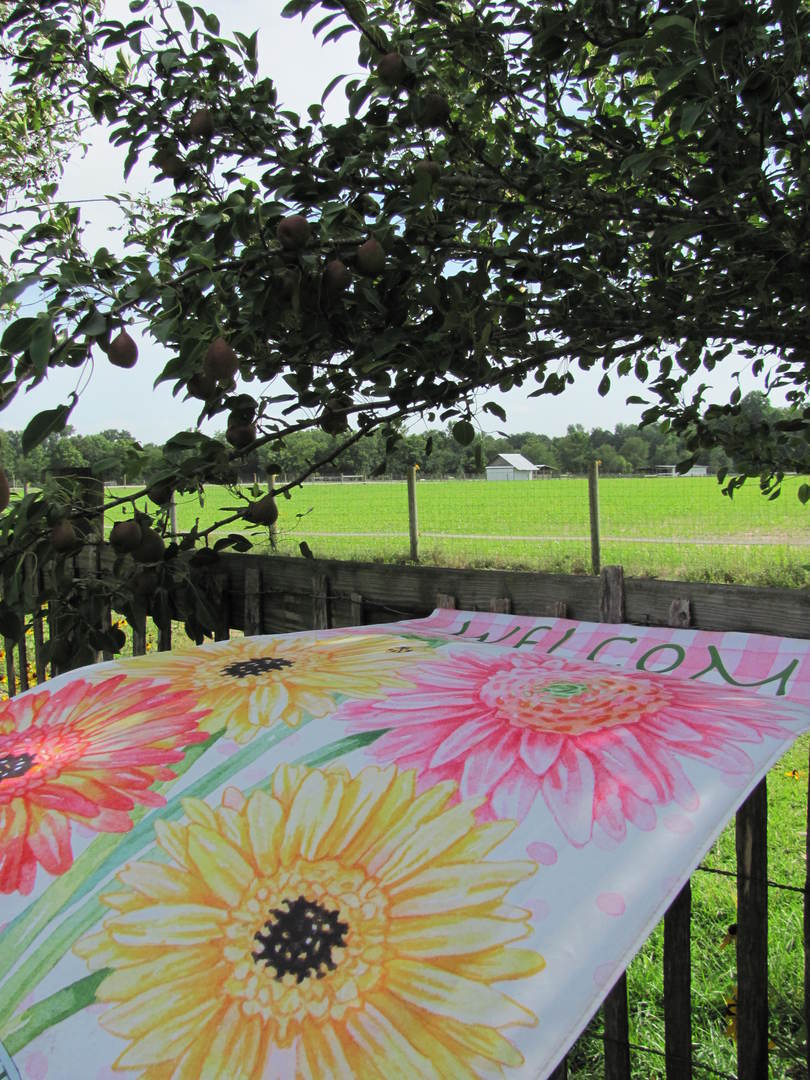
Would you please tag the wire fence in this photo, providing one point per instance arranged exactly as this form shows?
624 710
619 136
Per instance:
682 528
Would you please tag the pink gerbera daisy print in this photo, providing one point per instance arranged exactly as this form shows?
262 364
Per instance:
600 747
85 754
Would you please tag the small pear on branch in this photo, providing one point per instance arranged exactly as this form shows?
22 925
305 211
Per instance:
122 351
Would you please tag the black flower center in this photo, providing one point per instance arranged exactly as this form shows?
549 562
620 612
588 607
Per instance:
260 665
299 940
13 765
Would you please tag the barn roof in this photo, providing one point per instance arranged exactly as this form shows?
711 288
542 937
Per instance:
516 461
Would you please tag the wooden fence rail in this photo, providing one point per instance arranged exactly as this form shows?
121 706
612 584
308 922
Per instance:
273 594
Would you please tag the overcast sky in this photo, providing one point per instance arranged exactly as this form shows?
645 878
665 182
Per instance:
112 398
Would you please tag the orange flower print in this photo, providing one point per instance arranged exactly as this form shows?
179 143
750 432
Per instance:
86 753
327 926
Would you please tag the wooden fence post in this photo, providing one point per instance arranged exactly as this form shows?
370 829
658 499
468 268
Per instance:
139 636
8 648
357 616
617 1032
678 986
593 511
253 601
611 595
752 935
222 606
173 514
273 529
807 921
617 1026
320 602
413 523
677 945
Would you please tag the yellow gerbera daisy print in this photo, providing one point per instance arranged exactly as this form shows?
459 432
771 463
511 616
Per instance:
325 927
253 683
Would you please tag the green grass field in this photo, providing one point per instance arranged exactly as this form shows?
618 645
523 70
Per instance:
669 527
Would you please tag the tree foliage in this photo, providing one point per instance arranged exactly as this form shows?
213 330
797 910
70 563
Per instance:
519 191
39 127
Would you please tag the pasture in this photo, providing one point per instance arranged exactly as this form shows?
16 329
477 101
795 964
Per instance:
668 527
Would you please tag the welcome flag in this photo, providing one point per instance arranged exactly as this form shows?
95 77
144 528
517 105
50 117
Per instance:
420 849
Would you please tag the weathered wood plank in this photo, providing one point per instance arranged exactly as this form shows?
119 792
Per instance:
391 592
320 602
752 935
85 564
103 607
356 599
617 1032
783 612
221 603
501 604
445 600
252 616
611 595
398 592
680 613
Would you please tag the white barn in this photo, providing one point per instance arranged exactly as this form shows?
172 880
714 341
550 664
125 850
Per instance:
512 467
672 470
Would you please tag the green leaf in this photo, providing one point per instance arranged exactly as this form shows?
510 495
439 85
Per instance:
17 336
359 97
16 288
804 494
39 347
45 424
331 86
235 541
463 432
11 624
187 12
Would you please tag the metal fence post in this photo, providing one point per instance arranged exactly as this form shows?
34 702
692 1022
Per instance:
413 524
593 508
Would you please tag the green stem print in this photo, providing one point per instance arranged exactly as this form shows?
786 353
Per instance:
51 1010
109 854
79 879
113 851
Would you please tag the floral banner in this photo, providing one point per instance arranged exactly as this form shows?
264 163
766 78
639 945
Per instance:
424 849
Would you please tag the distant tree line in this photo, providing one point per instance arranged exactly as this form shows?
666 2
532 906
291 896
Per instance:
626 449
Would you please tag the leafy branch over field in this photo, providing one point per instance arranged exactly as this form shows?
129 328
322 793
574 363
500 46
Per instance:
519 191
